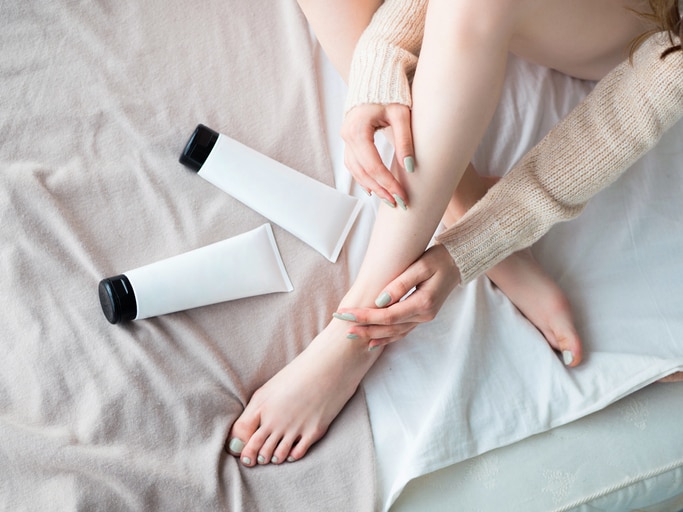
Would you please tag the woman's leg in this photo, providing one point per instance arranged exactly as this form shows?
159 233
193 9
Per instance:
338 24
607 28
294 409
522 280
456 88
282 414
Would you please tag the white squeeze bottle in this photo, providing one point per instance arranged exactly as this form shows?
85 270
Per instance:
315 213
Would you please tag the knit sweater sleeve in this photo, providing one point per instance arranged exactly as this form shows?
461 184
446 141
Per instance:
385 57
622 118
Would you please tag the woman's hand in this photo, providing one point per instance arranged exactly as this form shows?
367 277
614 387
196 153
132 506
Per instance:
361 156
433 275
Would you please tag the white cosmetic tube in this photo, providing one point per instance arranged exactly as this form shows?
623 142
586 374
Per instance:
242 266
315 213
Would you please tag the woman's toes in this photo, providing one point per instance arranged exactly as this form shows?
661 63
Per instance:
300 448
241 433
249 458
265 454
572 356
252 449
567 357
282 452
234 446
568 344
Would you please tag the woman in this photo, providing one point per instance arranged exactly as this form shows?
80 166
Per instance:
665 16
463 50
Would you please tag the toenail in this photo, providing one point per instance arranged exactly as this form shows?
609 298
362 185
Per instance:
567 357
246 460
274 460
291 459
261 459
236 446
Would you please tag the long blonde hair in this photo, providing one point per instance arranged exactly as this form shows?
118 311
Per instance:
665 16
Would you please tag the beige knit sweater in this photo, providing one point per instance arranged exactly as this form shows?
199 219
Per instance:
623 118
386 54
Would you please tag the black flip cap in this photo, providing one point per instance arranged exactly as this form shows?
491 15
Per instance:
117 299
198 147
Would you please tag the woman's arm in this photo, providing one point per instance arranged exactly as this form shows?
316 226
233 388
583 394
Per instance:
379 97
616 124
380 64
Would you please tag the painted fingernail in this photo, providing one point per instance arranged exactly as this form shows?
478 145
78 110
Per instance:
261 459
246 460
274 460
389 203
400 202
291 459
373 348
567 357
383 300
409 163
352 336
236 446
347 317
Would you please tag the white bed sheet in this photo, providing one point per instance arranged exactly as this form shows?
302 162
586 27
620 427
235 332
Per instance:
621 458
480 376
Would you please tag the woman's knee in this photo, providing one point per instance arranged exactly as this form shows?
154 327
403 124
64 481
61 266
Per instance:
478 21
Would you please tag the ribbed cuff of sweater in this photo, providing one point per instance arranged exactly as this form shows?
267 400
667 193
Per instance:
385 57
380 75
511 216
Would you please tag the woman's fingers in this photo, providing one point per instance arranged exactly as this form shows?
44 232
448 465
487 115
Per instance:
397 312
390 309
359 174
380 334
361 155
419 307
399 119
381 342
368 164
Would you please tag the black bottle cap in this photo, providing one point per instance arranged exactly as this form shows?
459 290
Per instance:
118 299
198 147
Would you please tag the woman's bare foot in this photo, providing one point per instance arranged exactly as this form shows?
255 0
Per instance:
522 279
540 300
294 409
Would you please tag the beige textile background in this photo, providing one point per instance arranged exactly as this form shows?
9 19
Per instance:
97 100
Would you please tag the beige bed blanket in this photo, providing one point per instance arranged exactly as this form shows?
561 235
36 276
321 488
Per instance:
97 101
